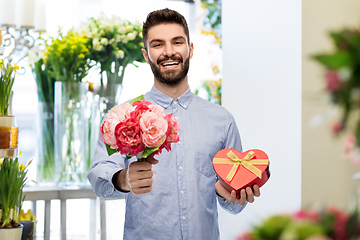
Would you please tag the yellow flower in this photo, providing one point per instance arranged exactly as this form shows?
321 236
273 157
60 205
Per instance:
28 216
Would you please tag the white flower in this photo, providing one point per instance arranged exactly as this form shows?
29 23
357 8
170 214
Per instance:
96 44
119 54
104 41
129 28
131 36
122 30
112 41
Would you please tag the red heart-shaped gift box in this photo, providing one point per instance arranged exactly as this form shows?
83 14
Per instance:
239 170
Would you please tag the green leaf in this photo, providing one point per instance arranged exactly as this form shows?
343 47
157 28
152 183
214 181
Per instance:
149 151
139 98
110 150
334 61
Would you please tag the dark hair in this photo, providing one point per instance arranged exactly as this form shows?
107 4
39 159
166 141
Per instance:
164 16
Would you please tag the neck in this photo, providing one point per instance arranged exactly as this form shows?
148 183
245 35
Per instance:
173 91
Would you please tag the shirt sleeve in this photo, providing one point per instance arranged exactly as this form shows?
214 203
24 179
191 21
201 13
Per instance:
232 140
102 171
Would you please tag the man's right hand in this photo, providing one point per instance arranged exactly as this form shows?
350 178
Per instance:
137 178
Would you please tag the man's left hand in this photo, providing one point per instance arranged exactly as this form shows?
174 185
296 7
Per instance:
246 195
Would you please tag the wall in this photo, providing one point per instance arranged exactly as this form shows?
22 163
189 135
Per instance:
327 178
262 88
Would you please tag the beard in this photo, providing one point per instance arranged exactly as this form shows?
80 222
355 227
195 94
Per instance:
170 77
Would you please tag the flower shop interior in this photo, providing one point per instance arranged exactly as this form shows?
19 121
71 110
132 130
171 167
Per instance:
282 68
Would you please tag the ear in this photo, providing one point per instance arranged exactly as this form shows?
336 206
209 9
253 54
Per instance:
145 55
191 48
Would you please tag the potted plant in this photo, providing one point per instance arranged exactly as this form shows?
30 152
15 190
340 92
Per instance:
7 77
12 178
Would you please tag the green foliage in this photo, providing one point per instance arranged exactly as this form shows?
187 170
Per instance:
272 227
7 78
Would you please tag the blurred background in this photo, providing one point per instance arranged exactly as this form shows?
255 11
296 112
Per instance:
273 62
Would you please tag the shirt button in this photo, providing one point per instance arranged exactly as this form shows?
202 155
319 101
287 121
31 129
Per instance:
104 195
231 209
183 217
182 192
180 167
165 105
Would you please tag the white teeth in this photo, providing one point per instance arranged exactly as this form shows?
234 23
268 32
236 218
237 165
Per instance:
170 63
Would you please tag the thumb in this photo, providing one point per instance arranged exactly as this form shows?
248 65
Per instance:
152 160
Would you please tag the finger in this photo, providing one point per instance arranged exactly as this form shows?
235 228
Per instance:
142 190
221 191
142 183
139 166
138 175
232 198
152 160
242 199
256 190
250 195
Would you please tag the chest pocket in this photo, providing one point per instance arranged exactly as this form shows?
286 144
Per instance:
206 150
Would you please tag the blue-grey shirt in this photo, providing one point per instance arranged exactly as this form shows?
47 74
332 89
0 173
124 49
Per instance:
182 203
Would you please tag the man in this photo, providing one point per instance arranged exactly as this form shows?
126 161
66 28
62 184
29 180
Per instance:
175 195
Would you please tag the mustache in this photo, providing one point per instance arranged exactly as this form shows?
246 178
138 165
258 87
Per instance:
167 58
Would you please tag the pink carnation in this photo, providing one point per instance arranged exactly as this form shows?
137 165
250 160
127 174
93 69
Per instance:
128 136
154 129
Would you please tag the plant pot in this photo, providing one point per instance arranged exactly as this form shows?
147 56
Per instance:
28 230
11 233
6 123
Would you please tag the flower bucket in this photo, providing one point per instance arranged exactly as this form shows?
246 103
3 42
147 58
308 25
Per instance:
11 233
71 133
45 133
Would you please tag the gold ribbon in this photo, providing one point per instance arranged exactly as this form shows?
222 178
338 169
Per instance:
247 162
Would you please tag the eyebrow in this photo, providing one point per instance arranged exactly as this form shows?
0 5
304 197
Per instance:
175 38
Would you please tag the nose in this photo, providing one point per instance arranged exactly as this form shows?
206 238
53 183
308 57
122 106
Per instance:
169 50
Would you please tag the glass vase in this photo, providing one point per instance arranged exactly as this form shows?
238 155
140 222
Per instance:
100 103
71 133
45 133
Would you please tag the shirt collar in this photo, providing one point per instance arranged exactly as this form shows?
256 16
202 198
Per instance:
165 101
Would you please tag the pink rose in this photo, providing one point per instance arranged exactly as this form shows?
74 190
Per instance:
173 129
333 82
154 129
108 128
140 108
156 109
115 115
128 136
171 134
123 110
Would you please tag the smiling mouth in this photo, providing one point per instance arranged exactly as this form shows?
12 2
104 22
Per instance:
170 64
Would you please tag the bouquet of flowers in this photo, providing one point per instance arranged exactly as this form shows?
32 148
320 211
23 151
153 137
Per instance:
139 128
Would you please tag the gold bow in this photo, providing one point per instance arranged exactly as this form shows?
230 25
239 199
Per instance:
247 162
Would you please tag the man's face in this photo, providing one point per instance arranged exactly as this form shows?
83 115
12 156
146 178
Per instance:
168 53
